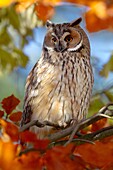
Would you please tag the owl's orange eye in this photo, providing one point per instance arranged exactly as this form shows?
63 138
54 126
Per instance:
68 38
54 39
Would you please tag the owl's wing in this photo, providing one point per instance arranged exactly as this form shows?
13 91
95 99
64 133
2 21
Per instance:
31 84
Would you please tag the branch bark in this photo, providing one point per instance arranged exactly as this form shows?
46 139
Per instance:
91 137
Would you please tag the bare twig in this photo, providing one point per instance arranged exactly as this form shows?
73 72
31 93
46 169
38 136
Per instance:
99 134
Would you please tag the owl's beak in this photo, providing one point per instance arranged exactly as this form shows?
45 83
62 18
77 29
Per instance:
60 48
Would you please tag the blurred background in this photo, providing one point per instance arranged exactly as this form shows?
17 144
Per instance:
22 31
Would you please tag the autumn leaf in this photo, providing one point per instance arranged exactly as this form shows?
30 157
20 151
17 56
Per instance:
6 2
99 16
10 103
108 139
16 116
28 136
8 152
63 160
98 154
61 157
44 12
51 2
10 129
80 2
41 144
29 161
108 166
1 113
98 125
22 5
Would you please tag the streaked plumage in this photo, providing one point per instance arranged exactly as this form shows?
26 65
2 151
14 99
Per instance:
58 88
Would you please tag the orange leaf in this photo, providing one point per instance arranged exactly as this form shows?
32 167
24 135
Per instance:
98 155
8 152
99 17
1 113
10 129
16 116
44 12
109 166
105 140
51 2
23 4
61 158
29 161
80 2
99 124
10 103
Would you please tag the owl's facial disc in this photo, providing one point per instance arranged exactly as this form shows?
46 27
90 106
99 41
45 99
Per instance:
54 43
63 37
59 45
76 42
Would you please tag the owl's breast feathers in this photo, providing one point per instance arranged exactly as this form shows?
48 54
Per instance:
58 92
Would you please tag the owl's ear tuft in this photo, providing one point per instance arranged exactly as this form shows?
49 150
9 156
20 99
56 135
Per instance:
49 24
75 22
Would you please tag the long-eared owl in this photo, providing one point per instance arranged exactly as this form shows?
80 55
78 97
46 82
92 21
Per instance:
59 86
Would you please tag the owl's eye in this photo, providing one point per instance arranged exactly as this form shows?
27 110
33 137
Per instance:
68 38
54 39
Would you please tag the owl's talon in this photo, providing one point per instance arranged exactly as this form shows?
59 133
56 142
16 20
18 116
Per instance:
62 124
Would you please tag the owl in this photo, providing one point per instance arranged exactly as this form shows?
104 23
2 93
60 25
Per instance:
59 86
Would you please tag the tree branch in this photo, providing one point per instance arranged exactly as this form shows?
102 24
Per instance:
106 111
103 112
91 137
38 124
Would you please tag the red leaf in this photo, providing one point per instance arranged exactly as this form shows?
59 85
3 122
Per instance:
61 158
16 116
28 136
108 166
29 161
10 103
1 113
10 129
98 125
41 144
98 155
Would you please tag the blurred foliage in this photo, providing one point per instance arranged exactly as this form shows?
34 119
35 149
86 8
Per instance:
105 95
107 67
15 33
17 21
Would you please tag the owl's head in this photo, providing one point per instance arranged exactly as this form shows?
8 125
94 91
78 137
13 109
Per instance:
64 37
